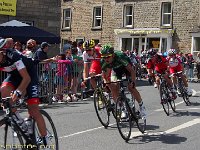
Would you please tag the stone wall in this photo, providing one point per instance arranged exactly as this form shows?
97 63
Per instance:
45 14
147 14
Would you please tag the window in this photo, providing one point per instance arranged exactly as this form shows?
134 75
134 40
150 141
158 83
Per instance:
80 39
97 19
166 18
67 18
128 16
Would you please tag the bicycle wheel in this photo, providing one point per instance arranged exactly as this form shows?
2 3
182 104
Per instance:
163 97
124 125
140 121
52 142
101 108
186 99
13 140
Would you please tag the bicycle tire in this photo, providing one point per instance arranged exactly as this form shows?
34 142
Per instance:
19 146
172 105
120 106
164 102
186 99
100 108
52 134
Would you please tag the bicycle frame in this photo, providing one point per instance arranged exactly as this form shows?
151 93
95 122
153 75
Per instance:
9 121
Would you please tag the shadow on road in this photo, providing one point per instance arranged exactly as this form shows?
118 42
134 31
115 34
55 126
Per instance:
164 138
186 113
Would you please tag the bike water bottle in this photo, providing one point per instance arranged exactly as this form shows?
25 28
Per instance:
29 124
20 122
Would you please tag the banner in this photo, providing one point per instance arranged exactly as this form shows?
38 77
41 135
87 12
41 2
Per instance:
8 7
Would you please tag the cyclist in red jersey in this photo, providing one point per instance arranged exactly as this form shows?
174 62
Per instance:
159 64
92 56
175 65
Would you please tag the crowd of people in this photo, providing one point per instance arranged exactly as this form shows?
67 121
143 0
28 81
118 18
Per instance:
83 59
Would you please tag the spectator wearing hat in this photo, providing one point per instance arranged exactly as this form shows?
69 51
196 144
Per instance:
41 53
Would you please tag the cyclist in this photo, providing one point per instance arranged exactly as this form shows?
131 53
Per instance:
175 65
114 64
22 79
149 65
159 65
91 58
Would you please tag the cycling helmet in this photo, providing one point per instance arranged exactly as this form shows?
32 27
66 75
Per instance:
2 42
89 44
107 50
165 54
172 52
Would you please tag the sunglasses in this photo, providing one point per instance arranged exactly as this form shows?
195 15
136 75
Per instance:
106 57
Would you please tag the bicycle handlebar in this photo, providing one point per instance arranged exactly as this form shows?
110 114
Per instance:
98 75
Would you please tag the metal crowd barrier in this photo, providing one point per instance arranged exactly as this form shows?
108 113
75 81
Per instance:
56 79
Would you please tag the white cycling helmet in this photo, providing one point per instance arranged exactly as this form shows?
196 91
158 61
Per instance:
172 52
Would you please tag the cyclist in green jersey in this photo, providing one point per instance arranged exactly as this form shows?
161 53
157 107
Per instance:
114 65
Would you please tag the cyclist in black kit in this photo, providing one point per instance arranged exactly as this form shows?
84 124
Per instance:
22 79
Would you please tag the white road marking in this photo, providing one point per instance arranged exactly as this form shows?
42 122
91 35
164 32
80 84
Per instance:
194 92
89 130
161 109
177 128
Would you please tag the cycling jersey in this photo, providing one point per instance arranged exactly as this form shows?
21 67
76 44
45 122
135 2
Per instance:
13 63
95 61
159 64
118 65
174 64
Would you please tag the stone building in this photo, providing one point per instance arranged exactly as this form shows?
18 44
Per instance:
129 24
43 14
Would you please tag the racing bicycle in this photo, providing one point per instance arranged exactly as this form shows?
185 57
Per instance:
15 138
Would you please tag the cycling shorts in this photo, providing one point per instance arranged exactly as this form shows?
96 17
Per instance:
118 73
31 91
95 67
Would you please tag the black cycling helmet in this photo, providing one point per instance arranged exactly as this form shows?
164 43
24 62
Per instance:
152 52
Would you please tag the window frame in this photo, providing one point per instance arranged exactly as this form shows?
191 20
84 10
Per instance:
125 16
95 17
69 18
163 4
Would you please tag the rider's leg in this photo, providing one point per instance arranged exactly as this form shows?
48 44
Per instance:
157 81
35 113
184 80
93 81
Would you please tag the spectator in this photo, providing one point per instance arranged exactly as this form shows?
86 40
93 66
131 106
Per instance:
186 66
18 47
198 65
30 48
80 48
59 78
76 70
191 65
41 53
9 43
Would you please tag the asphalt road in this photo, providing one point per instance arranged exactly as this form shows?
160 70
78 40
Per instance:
79 129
